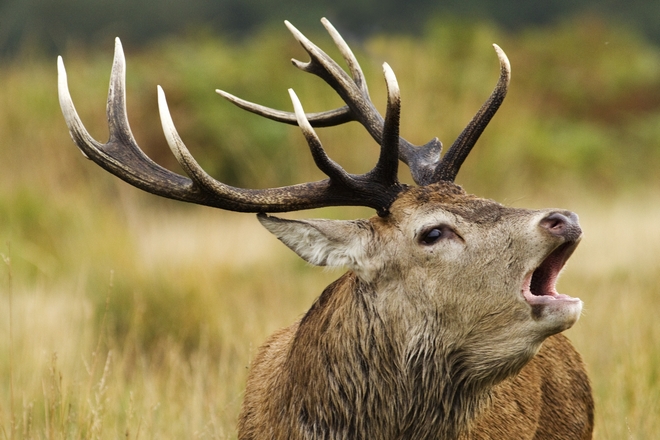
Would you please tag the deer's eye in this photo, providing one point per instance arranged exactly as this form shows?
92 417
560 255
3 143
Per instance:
433 235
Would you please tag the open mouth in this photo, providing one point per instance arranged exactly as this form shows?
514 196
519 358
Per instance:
539 286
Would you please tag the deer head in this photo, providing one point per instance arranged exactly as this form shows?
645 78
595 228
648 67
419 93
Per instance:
455 292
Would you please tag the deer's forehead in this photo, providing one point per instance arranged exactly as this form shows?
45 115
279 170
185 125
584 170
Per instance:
447 198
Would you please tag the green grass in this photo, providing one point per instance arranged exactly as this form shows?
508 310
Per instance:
136 317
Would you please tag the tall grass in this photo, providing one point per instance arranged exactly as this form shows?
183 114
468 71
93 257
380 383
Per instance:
136 317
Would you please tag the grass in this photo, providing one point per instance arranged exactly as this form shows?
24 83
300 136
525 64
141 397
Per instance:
619 336
126 316
75 378
77 375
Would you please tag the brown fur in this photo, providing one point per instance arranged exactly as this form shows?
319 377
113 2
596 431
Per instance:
549 399
376 357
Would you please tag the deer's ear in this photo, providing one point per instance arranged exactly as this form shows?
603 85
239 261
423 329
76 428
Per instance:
324 242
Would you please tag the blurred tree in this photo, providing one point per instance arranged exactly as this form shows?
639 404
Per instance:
53 24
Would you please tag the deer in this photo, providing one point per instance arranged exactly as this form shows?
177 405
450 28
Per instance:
447 324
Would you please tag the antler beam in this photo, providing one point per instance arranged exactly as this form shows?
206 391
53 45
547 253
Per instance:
377 189
122 157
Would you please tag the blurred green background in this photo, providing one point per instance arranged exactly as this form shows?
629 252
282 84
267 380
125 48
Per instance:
54 24
124 314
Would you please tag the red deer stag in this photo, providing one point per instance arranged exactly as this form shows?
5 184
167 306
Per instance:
447 323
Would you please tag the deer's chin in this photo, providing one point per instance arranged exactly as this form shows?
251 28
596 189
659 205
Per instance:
555 310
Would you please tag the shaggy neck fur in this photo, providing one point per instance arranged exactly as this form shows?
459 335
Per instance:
408 382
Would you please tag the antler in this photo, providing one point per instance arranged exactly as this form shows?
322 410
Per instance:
452 160
122 157
424 161
377 189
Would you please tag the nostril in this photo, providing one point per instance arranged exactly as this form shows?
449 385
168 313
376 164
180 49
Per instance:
564 224
555 221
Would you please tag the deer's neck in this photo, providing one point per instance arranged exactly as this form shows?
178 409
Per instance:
376 372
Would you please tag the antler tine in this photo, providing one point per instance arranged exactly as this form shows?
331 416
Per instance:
452 160
122 157
349 57
321 159
384 175
321 65
388 163
327 118
182 154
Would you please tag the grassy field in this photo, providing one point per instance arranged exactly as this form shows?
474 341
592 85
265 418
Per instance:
126 316
76 373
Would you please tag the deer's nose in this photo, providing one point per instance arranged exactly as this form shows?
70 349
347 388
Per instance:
562 224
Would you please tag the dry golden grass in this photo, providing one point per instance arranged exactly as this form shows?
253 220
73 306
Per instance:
71 379
616 272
